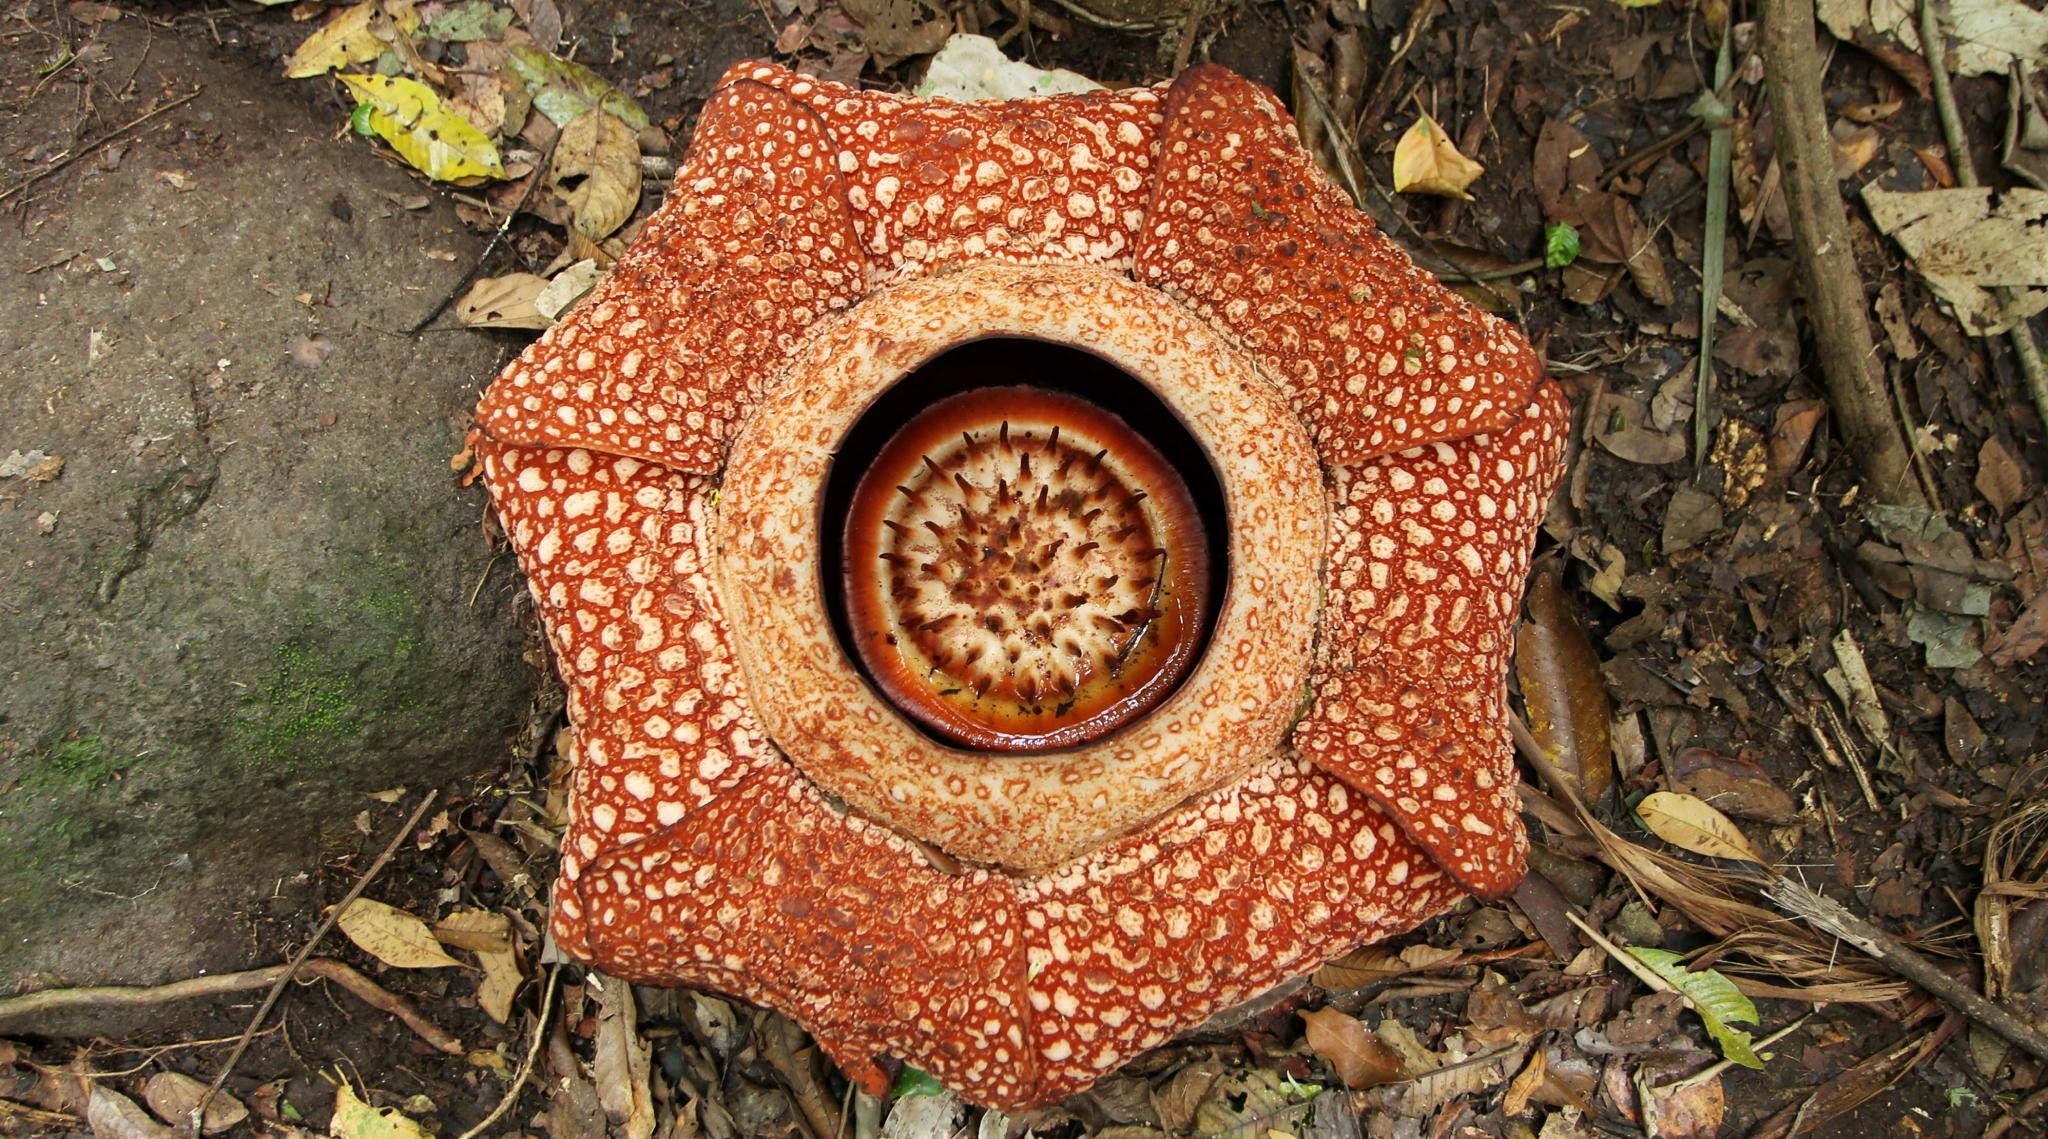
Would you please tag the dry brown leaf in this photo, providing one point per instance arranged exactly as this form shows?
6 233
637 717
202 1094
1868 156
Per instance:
1562 687
1361 1059
393 936
503 302
2000 478
1964 242
479 931
173 1095
1526 1083
115 1116
1691 824
2024 637
1426 161
596 172
1621 425
619 1067
501 982
1376 963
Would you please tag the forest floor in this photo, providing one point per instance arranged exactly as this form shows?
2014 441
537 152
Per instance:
1728 613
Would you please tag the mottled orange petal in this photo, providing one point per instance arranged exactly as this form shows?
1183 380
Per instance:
1374 354
669 353
1063 178
617 558
1429 549
1209 907
771 895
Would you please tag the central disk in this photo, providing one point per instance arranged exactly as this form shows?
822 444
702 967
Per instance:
1023 571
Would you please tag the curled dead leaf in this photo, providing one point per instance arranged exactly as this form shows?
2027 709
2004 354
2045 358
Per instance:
1569 712
1426 161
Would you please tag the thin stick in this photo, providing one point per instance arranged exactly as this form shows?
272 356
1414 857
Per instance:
2021 335
540 1033
292 970
101 141
1829 916
1835 303
37 1007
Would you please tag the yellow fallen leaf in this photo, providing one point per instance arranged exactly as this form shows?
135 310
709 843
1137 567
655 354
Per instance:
351 38
1690 823
354 1119
407 114
393 936
1427 162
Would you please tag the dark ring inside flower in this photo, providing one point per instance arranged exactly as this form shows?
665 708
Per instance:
1024 569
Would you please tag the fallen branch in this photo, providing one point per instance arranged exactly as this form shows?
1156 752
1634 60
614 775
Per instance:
1835 302
1831 917
36 1008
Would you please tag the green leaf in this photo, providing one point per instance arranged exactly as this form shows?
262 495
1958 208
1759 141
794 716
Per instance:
1714 997
407 114
562 90
1560 244
359 120
916 1082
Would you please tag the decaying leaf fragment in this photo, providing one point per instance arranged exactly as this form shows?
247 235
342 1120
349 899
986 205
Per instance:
596 172
1966 242
1426 161
355 1119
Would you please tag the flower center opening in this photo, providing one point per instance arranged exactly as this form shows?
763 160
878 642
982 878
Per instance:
1022 570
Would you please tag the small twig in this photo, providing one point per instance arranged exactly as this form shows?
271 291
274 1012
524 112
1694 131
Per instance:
540 1033
292 970
101 141
1830 916
1836 306
2021 335
476 267
37 1008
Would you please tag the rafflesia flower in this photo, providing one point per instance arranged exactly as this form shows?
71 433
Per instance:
1027 575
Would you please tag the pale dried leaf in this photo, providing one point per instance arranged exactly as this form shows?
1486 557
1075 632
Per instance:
567 287
173 1095
1964 243
924 1117
596 172
393 936
500 984
115 1116
479 931
1692 824
503 302
620 1064
1426 161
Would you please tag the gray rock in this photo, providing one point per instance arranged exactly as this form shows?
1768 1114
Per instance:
253 592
